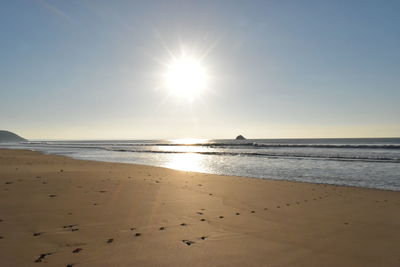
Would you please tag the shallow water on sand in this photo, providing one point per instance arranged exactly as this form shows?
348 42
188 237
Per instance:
363 162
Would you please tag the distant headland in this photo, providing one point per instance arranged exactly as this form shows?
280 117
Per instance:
6 136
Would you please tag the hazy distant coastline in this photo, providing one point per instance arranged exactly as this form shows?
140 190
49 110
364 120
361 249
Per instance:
7 136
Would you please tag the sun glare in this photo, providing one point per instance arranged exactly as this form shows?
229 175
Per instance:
186 77
188 141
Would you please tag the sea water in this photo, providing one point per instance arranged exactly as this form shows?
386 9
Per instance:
362 162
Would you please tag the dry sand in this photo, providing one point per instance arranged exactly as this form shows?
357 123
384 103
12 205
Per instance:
56 211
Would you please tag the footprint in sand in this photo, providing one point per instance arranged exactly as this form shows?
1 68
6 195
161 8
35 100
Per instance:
38 233
237 213
42 256
162 228
110 240
203 237
188 242
77 250
138 234
253 211
221 217
202 220
70 226
1 237
183 224
200 213
52 195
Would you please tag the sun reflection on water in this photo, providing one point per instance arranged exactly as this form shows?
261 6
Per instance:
186 149
188 141
186 162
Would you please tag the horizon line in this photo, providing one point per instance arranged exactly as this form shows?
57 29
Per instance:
172 139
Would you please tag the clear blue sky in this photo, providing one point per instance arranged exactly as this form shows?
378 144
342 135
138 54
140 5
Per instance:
91 69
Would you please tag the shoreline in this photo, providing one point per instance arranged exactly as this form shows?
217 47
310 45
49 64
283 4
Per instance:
230 175
122 214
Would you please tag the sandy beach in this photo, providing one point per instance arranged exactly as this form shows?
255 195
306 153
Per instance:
57 211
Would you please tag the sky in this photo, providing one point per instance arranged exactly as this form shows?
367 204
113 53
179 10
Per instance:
275 69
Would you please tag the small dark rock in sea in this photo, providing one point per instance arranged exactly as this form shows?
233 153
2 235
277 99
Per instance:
240 137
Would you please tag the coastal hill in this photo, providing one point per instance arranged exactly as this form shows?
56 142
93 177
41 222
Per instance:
6 136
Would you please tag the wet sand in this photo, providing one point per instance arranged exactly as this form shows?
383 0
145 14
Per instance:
56 211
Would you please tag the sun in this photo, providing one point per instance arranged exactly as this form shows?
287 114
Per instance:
186 77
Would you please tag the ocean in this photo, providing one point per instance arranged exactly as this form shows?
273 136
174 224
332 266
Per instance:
361 162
